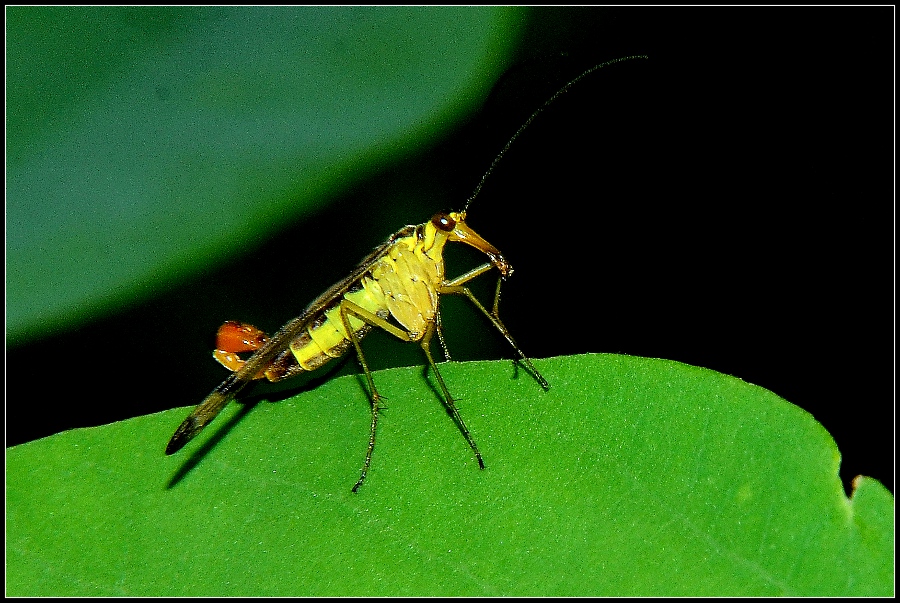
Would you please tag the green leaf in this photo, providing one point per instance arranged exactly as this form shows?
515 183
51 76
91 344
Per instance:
146 143
631 476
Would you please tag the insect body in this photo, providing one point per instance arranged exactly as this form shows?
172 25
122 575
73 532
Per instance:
396 288
401 280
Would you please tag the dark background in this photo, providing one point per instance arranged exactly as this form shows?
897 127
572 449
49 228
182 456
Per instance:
728 204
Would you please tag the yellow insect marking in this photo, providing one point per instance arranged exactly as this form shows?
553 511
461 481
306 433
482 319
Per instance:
327 337
409 278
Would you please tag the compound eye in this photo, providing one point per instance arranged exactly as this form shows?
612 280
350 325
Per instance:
443 221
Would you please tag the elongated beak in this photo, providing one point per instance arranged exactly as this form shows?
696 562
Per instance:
464 234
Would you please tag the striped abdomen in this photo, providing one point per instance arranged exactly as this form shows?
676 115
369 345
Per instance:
402 283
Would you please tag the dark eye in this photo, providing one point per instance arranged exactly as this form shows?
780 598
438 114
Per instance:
443 222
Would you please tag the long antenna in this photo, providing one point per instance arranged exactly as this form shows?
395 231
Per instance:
540 109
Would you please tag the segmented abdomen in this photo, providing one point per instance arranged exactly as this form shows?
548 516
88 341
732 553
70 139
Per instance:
326 338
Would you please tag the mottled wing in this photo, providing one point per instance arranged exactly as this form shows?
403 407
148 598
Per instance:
213 404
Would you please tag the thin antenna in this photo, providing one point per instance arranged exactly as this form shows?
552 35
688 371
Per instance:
540 109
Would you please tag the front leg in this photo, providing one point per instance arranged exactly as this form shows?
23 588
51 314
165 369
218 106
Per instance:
451 288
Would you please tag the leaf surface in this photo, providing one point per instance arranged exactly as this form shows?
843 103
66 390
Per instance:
631 476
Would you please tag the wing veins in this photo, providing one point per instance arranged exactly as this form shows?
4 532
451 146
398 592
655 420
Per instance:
213 404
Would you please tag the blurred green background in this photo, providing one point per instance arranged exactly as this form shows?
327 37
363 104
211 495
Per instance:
727 204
